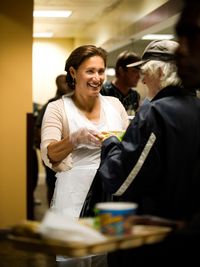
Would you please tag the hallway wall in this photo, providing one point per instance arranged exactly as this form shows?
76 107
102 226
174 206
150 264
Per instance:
15 102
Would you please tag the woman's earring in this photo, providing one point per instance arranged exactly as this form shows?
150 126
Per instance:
73 82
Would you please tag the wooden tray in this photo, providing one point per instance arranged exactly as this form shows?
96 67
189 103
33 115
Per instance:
24 237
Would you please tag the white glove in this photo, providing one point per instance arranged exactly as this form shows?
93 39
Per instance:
85 136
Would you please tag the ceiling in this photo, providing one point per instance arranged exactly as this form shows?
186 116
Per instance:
112 24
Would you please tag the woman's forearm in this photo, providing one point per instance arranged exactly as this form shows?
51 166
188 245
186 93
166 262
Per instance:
59 150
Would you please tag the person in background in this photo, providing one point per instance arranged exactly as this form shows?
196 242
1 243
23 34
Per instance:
62 89
124 83
35 161
72 132
157 164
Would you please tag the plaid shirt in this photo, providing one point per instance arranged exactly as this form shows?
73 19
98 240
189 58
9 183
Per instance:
130 102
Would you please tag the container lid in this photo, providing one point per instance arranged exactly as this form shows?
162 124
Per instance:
116 205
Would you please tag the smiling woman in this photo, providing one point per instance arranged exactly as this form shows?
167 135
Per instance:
72 127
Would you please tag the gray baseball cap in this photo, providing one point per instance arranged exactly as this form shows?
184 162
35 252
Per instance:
162 50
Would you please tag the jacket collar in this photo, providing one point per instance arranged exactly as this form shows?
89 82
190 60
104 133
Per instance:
173 91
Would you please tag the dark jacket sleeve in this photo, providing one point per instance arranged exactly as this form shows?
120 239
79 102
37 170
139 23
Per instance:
119 158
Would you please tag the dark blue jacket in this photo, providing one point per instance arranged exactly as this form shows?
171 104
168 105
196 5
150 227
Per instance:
157 164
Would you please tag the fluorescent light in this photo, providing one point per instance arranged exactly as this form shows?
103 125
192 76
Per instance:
158 37
43 34
51 13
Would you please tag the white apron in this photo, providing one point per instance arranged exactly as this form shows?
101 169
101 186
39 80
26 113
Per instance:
72 185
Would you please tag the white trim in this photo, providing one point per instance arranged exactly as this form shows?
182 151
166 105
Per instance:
137 167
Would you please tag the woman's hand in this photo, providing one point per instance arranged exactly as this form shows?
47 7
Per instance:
85 136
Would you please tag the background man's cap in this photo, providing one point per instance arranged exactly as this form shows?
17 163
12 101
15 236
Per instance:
162 50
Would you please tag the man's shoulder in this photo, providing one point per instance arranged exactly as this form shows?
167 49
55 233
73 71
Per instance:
108 89
107 85
134 92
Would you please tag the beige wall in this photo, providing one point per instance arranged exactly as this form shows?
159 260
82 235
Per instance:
49 56
15 102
